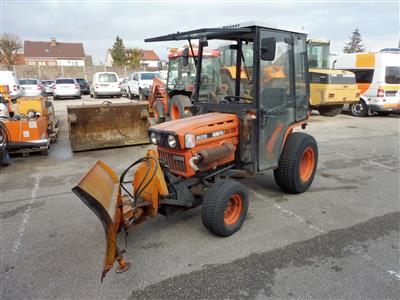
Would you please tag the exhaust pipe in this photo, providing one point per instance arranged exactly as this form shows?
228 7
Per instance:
208 155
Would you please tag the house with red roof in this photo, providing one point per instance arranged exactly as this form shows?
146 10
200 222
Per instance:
54 53
149 59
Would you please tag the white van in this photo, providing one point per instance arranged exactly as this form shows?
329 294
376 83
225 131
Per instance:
378 79
9 78
105 84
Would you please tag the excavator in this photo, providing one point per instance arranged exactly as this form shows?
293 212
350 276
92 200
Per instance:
192 160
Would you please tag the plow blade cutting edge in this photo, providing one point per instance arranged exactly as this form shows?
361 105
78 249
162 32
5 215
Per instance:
99 189
107 125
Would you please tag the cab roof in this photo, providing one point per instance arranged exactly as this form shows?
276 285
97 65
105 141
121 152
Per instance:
225 32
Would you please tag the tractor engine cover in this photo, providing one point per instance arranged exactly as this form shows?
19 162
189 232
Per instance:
207 140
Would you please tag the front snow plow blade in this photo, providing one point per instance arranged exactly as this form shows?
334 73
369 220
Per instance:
107 125
99 189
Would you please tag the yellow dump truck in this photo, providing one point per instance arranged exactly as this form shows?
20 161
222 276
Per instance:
329 89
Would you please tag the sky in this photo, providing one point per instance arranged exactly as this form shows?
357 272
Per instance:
97 23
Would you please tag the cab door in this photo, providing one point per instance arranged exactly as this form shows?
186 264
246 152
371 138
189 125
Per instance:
276 103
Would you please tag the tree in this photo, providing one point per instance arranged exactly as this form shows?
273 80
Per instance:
133 57
355 44
9 46
118 52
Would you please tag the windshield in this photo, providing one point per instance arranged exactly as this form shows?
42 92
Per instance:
108 77
148 76
81 80
180 76
65 81
318 55
392 75
27 82
218 75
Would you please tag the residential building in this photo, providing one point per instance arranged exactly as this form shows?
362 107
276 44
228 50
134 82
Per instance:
54 53
150 60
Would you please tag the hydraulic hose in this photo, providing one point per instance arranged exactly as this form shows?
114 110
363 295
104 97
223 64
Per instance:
140 187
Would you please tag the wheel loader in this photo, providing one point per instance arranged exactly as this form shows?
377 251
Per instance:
193 159
172 100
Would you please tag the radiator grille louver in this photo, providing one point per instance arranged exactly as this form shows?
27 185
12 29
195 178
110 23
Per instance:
175 162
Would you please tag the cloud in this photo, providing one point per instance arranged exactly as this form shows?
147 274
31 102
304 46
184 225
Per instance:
97 24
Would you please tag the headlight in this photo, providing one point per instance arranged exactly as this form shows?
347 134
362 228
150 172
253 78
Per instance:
153 139
190 141
171 141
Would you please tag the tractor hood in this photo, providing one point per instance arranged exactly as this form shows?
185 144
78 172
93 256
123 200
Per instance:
203 127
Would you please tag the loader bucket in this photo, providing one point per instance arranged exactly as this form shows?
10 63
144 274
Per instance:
108 125
99 189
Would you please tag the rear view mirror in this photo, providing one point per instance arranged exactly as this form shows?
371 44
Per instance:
185 57
268 46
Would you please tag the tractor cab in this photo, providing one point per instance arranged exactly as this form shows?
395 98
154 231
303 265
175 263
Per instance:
268 90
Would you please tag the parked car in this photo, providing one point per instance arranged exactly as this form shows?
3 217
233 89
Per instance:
85 86
9 78
31 87
140 83
66 88
123 84
105 84
48 86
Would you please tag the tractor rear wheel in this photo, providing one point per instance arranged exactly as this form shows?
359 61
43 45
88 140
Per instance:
159 112
224 207
178 105
330 110
297 163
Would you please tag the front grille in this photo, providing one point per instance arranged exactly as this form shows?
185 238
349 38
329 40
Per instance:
175 162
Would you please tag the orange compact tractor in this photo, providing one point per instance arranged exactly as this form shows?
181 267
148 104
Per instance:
249 130
172 100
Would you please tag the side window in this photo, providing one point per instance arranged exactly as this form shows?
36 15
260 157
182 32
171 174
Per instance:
300 56
275 76
363 76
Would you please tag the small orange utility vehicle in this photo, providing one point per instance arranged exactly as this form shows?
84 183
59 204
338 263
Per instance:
250 130
31 124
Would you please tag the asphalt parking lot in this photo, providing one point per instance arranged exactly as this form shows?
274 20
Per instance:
338 240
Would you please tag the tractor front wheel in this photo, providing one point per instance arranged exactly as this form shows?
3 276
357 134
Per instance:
297 164
159 112
224 207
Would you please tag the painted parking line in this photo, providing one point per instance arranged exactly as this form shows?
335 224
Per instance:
25 219
367 161
291 214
